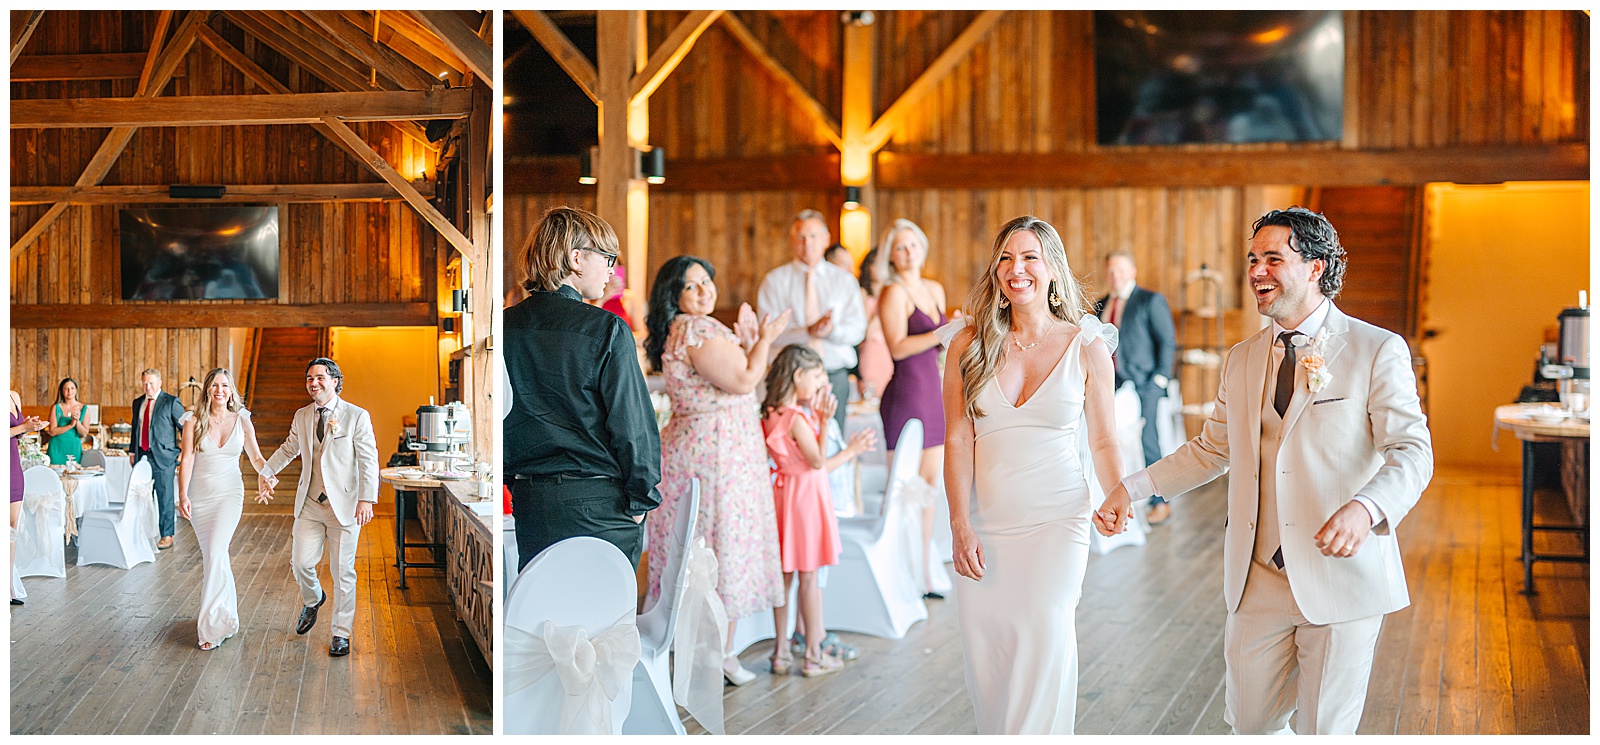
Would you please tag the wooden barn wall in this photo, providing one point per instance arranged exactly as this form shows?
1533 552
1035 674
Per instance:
333 252
107 363
1420 79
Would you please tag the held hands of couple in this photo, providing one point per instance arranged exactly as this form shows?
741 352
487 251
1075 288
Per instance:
265 483
1114 513
1341 537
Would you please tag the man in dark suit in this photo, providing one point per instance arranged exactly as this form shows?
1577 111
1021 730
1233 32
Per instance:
1147 342
157 420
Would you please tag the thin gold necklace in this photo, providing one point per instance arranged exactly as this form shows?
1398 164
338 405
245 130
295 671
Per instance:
1026 347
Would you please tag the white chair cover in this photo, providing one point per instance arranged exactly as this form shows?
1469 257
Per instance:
116 536
118 471
653 711
702 635
873 589
41 532
1169 420
571 641
92 458
17 590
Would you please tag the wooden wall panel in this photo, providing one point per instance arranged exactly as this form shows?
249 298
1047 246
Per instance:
522 213
719 103
107 362
1425 79
342 252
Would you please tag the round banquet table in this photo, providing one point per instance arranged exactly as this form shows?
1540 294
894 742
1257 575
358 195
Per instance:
1573 433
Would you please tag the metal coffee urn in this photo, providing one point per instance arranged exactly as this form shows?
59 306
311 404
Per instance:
1572 357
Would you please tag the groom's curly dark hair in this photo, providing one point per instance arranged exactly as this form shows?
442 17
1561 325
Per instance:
333 372
1313 237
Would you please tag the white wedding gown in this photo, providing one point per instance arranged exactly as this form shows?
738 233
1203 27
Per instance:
216 499
1030 511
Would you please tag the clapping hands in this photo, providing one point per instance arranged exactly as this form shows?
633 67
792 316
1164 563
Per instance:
34 424
824 404
752 331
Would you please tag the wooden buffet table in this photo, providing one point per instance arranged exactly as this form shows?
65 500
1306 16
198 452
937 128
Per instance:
1573 434
455 526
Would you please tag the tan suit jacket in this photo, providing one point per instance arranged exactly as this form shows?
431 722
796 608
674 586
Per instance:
1364 433
349 458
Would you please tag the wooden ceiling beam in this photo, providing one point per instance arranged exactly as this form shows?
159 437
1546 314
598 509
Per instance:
786 79
223 315
377 56
266 82
311 41
117 140
941 66
462 39
423 38
371 159
23 23
362 192
1175 168
672 51
151 57
224 111
390 36
273 35
32 68
566 54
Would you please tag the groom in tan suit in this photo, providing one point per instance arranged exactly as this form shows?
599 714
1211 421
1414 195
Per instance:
337 490
1318 420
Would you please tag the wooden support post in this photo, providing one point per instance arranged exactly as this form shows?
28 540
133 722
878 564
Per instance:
562 50
855 162
480 274
618 197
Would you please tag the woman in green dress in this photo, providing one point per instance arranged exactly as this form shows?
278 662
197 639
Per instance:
67 429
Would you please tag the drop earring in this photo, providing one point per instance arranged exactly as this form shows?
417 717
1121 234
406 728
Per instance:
1004 303
1055 298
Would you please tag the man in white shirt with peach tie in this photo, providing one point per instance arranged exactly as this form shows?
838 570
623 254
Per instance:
1318 423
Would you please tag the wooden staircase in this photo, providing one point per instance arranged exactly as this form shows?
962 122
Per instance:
278 389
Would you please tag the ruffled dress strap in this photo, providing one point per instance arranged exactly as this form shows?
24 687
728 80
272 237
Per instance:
948 332
1093 328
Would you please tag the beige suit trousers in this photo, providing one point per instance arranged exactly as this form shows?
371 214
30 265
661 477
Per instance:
316 529
1277 661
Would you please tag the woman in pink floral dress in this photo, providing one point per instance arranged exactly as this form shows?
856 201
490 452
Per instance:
711 374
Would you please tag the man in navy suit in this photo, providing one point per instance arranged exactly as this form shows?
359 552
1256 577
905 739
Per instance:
157 420
1147 342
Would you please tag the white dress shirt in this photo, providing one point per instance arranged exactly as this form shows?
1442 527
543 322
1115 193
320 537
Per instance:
1141 487
838 291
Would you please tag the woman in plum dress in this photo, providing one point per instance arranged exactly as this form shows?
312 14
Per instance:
910 308
20 426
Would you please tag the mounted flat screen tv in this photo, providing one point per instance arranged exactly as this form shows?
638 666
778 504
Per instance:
1170 77
213 252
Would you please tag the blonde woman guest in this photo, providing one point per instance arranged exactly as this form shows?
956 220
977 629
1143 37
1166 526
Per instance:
20 426
1029 370
67 430
211 497
911 307
714 435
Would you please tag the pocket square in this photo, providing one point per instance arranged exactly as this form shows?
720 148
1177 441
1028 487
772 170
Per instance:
1327 401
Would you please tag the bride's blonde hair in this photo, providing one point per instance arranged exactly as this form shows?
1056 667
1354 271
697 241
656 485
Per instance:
991 322
202 414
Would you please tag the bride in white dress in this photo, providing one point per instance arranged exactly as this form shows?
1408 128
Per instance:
211 497
1034 367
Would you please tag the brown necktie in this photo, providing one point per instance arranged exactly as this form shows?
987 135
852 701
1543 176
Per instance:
322 421
1285 391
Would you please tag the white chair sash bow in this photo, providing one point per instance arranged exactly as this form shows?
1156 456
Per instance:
699 640
33 537
592 671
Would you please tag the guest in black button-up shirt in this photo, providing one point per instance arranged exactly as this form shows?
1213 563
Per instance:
581 446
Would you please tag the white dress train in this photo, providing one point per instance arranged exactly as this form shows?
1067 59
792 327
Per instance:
216 500
1030 510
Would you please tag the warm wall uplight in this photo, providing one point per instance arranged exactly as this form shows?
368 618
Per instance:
855 231
855 165
1270 35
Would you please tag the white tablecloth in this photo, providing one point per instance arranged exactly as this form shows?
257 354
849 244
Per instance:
90 494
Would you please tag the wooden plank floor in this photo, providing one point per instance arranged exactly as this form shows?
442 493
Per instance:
1470 655
108 651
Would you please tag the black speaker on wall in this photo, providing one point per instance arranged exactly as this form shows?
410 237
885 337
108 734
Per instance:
191 191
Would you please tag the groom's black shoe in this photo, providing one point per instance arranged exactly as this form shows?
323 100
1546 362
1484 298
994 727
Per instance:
340 647
308 616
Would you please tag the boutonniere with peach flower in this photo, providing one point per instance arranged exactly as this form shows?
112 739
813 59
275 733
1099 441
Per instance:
333 425
1316 363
